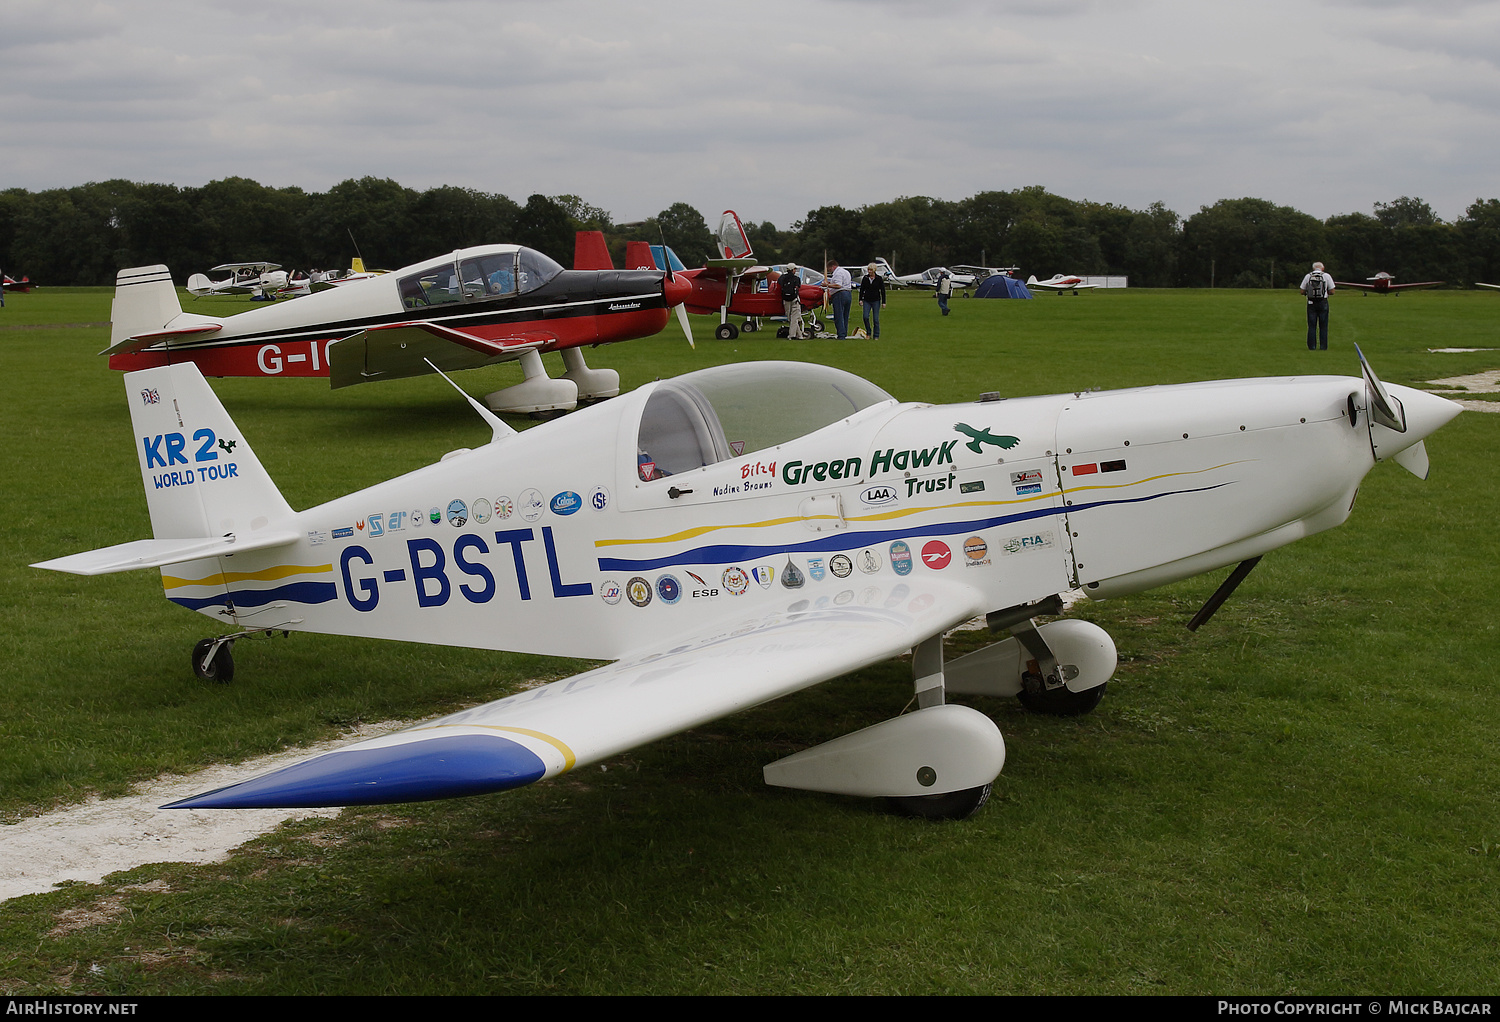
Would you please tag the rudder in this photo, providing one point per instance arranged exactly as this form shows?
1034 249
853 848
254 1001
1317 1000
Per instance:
145 301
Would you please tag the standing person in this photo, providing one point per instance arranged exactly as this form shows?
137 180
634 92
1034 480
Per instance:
944 290
1317 286
872 298
791 300
841 286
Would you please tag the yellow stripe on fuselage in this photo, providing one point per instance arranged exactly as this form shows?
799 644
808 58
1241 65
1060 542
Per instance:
264 575
886 516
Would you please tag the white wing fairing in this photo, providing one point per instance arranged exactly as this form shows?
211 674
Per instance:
739 533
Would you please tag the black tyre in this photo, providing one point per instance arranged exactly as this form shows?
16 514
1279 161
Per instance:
220 668
1060 702
726 331
750 326
952 805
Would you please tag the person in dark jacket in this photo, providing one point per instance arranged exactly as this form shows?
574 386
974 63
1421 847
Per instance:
872 299
790 283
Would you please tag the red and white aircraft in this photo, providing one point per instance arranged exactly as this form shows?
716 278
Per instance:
1383 284
474 307
1060 282
732 285
24 284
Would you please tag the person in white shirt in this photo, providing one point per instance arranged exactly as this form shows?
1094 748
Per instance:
1317 286
841 295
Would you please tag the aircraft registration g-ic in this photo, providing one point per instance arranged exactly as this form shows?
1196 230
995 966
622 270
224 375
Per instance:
474 307
738 534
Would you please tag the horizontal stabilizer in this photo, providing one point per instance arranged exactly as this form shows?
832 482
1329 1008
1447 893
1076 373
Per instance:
146 340
154 553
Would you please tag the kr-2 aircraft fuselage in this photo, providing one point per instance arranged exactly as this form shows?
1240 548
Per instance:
739 533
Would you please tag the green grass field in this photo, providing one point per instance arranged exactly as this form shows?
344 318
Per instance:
1301 798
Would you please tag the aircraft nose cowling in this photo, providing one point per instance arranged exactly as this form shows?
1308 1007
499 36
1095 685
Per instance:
376 773
675 288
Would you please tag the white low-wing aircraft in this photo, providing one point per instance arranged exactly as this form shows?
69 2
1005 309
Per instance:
740 533
929 278
253 279
1060 282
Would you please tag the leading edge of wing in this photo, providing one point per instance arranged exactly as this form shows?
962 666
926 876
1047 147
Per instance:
548 730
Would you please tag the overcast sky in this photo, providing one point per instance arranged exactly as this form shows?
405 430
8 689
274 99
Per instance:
771 107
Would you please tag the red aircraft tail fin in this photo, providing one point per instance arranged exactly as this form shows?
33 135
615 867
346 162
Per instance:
590 252
638 256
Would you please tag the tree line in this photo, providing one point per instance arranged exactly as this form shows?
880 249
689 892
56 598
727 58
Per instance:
82 235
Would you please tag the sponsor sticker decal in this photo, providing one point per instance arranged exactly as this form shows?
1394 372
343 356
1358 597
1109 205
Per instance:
317 538
840 565
1021 544
566 503
504 508
458 514
869 562
976 550
979 437
416 518
735 580
1085 470
598 498
347 532
878 495
976 486
531 504
638 591
815 568
1029 476
1029 488
482 511
764 575
396 521
901 557
791 578
1104 466
610 591
936 555
435 515
377 525
668 588
150 397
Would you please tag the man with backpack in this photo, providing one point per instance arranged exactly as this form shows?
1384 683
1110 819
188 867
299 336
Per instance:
1317 286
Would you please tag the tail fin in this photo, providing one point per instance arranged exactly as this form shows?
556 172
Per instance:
145 302
207 491
1031 280
201 477
733 242
638 256
590 252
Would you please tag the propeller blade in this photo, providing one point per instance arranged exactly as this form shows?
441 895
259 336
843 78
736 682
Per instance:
686 329
1414 459
1383 408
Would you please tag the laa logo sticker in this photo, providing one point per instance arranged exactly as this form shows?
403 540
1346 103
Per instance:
878 495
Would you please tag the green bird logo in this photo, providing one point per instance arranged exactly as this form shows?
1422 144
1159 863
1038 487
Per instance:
979 437
227 446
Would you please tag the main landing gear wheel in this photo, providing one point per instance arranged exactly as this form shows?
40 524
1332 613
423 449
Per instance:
750 326
1060 702
952 805
726 331
219 669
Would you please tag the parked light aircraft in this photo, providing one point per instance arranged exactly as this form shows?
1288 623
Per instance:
732 284
1060 282
328 279
929 278
737 534
470 308
1385 284
9 284
260 281
1495 287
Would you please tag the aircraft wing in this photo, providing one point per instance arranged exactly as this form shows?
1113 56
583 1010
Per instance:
655 693
1350 283
392 351
1410 287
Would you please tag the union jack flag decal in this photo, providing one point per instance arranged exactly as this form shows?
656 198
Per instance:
150 397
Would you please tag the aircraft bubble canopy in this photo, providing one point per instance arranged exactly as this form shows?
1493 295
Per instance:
728 411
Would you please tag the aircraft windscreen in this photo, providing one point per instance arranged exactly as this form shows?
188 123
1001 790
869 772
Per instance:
535 269
733 410
489 275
